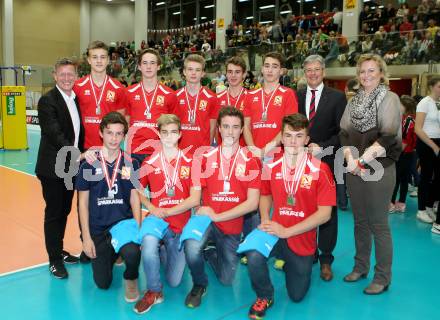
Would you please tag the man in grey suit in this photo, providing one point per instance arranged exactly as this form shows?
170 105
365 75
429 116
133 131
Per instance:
323 106
60 123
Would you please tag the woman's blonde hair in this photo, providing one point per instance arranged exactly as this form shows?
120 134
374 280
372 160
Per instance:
380 62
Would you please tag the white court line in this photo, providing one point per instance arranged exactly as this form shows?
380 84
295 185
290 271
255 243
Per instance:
24 269
19 171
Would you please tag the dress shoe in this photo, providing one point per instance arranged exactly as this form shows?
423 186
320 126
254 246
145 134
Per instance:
354 276
375 288
326 272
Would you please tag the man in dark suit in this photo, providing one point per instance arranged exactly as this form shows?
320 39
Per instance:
323 106
59 118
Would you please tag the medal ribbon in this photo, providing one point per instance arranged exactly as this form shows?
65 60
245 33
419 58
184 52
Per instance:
299 171
98 101
148 106
228 177
266 106
192 113
238 98
110 183
170 182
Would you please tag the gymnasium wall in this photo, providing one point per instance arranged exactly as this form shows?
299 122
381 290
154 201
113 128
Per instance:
112 22
45 30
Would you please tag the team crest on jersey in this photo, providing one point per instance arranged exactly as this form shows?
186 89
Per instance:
157 171
184 172
278 175
137 97
160 100
202 105
241 106
240 170
214 165
223 103
110 97
278 101
255 99
87 92
98 171
306 181
182 101
125 173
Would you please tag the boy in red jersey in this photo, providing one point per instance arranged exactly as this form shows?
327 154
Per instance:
171 196
302 192
196 106
236 94
147 100
97 93
230 180
265 107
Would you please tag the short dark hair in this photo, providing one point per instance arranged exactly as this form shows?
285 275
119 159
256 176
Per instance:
236 61
276 55
151 51
229 111
296 121
65 62
96 45
112 118
409 103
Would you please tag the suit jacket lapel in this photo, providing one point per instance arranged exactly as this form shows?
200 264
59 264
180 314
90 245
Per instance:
302 102
65 110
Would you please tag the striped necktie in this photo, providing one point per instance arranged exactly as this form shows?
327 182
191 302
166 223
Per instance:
312 110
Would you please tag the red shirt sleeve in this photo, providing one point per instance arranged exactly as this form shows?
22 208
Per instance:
172 103
122 99
255 183
291 105
213 111
247 104
265 181
326 187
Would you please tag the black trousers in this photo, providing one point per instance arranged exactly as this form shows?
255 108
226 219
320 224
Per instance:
429 186
403 168
327 237
58 205
102 265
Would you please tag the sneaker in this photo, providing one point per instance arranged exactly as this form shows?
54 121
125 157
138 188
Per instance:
83 258
131 290
194 298
68 258
400 207
258 309
119 261
149 299
435 228
431 213
279 264
391 208
423 216
243 260
58 270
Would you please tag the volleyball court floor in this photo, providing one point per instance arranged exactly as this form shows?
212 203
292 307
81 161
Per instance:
27 289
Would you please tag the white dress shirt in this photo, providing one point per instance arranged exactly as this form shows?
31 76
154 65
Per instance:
318 93
71 105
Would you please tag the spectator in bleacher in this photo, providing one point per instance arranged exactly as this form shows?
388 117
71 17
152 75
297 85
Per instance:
425 47
405 26
432 27
367 44
390 11
423 10
276 34
337 19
